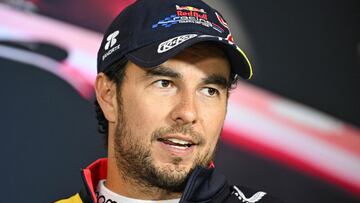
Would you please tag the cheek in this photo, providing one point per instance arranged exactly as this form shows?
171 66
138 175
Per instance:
212 123
142 115
212 120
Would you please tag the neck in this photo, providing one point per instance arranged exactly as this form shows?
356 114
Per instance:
118 182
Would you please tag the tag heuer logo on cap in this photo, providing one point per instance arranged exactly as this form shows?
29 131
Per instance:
111 41
173 42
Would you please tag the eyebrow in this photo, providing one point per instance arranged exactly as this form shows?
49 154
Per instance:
217 80
163 71
160 70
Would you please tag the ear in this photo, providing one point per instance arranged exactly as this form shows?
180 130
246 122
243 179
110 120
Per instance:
105 90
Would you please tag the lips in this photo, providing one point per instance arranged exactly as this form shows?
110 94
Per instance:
177 145
177 142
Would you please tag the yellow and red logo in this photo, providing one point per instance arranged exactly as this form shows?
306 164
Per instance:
190 11
189 8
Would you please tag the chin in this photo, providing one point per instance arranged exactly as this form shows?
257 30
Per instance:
172 167
180 162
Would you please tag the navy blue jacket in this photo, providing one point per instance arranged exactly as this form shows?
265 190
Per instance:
203 186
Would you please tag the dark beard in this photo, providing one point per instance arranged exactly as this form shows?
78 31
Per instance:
135 162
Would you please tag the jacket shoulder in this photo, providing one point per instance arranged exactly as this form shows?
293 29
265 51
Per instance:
73 199
246 195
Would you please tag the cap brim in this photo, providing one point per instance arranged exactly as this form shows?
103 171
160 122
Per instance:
148 56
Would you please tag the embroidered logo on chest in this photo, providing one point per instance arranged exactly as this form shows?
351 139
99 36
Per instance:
241 196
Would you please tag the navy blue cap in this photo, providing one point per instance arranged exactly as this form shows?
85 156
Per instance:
149 32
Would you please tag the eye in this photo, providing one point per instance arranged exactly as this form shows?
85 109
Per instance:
210 92
163 83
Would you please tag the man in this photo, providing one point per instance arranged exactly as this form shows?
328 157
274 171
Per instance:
165 71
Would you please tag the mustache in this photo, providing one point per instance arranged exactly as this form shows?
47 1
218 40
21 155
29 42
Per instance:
185 130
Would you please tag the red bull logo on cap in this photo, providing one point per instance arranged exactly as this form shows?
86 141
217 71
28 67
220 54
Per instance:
189 8
190 11
186 15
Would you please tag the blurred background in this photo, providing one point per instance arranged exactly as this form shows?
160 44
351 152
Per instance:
292 131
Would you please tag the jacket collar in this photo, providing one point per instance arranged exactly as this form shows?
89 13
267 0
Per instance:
203 185
91 176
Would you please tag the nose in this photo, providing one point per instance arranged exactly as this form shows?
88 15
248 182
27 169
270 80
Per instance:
185 111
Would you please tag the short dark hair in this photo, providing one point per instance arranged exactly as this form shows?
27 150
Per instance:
116 73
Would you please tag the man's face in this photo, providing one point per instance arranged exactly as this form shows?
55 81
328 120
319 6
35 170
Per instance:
170 117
